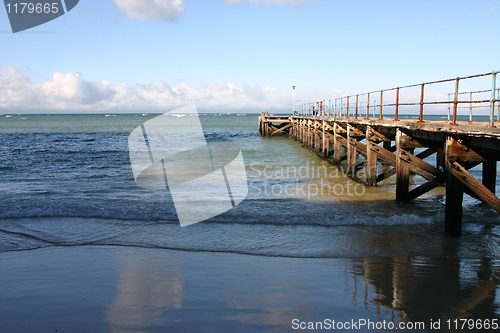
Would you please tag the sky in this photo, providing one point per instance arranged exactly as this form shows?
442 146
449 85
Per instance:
239 55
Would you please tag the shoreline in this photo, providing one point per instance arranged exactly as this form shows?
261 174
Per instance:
307 241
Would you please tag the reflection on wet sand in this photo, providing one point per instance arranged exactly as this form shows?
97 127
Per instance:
146 290
425 289
208 291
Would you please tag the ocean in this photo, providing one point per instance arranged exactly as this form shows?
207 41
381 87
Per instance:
66 182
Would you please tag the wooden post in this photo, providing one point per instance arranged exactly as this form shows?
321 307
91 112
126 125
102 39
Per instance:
311 134
440 159
326 148
317 141
303 131
320 137
314 135
323 145
337 148
265 124
490 175
351 152
305 134
454 195
260 123
301 134
371 160
402 170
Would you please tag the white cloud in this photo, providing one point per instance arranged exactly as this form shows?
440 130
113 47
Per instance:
171 10
168 10
72 88
71 92
16 89
295 3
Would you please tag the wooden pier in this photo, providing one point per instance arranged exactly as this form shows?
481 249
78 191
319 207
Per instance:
357 142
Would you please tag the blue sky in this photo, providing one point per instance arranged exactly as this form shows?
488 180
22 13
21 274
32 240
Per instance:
241 54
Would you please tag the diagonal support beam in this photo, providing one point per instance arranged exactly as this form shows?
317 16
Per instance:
475 185
424 188
278 130
385 175
415 161
426 153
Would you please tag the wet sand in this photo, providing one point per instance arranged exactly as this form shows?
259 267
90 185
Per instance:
130 289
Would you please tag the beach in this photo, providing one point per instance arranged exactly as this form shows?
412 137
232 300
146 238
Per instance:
128 289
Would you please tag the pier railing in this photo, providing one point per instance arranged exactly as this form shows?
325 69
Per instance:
462 93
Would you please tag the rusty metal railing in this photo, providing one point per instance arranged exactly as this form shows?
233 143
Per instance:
356 105
471 104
